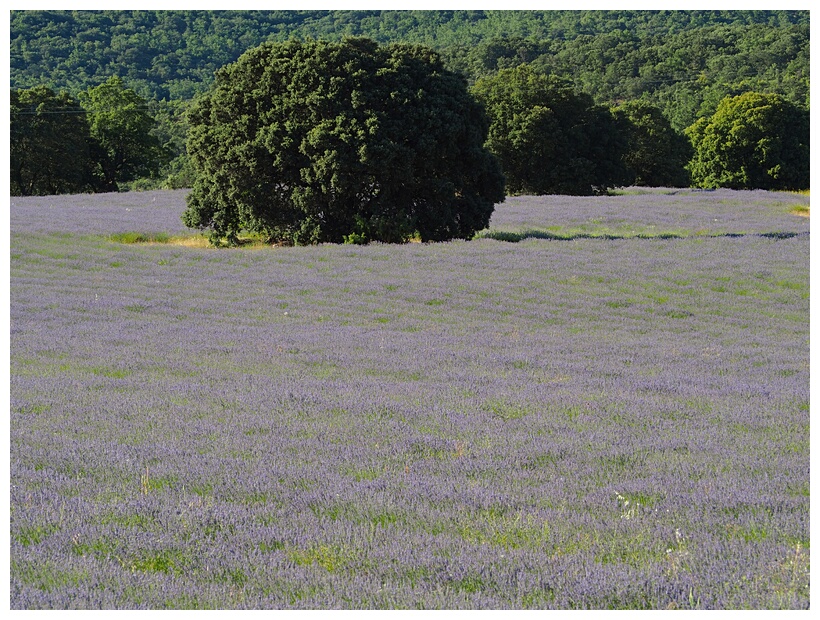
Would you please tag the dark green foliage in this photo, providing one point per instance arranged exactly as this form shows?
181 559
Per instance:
657 154
753 141
550 139
326 142
683 62
49 143
121 128
172 131
60 145
173 54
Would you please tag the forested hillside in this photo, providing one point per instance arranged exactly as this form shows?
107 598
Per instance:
682 59
682 62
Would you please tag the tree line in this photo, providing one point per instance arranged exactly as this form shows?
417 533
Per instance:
684 63
684 58
548 136
60 144
309 142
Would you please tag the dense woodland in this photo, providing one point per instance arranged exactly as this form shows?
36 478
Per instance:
682 62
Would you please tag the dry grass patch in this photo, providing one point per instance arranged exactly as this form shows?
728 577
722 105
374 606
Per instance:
188 241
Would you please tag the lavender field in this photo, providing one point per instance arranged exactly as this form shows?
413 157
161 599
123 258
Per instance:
615 420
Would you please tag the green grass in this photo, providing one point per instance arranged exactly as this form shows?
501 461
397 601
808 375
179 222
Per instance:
513 532
331 558
46 576
192 241
167 561
34 535
138 237
505 410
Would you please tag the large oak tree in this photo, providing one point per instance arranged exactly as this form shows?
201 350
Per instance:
308 142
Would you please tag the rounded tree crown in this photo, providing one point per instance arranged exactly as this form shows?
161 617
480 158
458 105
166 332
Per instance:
316 141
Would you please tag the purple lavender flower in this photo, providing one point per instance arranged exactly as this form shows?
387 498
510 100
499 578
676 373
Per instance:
595 423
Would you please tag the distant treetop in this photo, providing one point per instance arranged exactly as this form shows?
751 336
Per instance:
174 54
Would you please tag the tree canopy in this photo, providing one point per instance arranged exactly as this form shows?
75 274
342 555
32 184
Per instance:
684 63
124 147
681 60
173 54
62 145
752 141
313 141
49 145
656 155
549 138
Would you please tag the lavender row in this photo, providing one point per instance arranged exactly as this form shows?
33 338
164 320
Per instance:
582 424
100 214
638 210
657 211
